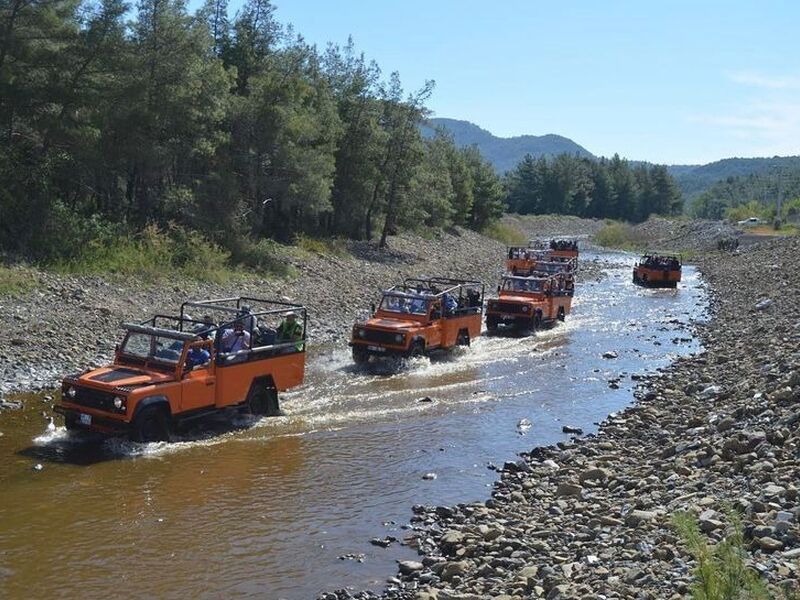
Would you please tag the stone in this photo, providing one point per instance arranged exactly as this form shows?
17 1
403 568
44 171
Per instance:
763 304
769 544
594 474
725 424
408 567
636 517
610 354
569 489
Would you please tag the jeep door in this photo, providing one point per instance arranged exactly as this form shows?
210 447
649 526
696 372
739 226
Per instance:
198 385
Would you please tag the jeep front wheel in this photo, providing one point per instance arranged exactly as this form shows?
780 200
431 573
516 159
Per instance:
417 350
151 425
360 355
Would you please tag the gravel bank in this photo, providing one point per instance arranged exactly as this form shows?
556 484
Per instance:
591 517
67 323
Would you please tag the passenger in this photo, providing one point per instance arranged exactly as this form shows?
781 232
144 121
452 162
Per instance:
417 306
197 356
290 330
250 322
205 328
450 304
236 339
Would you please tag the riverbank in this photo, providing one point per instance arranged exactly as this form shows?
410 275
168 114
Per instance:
593 516
61 323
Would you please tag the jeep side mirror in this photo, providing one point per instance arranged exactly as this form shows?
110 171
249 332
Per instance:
498 289
372 307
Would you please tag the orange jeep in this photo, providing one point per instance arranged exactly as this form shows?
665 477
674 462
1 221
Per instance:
172 369
530 303
419 317
657 271
522 260
566 248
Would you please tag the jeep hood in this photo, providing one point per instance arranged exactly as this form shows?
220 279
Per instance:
386 323
119 376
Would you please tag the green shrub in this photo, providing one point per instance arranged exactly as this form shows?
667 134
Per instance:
16 281
508 234
615 235
152 254
323 246
264 256
721 572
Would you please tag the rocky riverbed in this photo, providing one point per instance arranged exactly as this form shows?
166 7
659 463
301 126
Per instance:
67 323
592 517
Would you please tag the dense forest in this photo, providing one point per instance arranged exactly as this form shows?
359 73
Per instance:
116 121
754 195
574 185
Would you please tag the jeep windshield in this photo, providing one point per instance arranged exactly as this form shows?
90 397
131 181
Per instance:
512 284
152 347
404 304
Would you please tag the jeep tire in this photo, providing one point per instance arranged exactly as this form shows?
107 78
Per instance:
360 355
151 425
417 350
264 402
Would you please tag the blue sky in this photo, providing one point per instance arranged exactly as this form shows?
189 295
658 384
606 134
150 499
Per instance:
670 81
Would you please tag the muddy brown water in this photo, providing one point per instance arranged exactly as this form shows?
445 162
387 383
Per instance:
267 508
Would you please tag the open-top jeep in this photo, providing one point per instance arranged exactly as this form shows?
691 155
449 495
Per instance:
420 316
172 369
658 271
530 303
522 260
565 248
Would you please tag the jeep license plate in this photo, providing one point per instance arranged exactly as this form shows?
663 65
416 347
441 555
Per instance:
376 348
85 419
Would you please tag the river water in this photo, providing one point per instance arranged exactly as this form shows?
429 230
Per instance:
285 507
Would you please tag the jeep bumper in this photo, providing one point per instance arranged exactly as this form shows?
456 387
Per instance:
91 421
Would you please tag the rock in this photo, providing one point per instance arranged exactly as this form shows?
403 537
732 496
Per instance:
569 489
610 354
769 544
594 474
408 567
725 424
429 476
452 569
763 304
570 429
636 517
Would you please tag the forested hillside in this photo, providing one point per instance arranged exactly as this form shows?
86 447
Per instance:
694 180
754 195
613 188
505 153
194 127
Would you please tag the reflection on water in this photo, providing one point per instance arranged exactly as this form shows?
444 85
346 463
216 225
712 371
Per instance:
265 508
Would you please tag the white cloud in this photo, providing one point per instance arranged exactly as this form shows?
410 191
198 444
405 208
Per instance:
756 79
762 120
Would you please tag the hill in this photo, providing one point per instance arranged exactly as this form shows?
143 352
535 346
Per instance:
505 153
693 180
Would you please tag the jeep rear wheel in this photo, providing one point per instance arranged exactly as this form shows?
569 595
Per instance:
360 355
463 338
264 402
151 425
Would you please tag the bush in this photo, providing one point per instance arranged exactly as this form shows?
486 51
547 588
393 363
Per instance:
14 282
721 572
615 235
152 254
323 246
264 256
508 234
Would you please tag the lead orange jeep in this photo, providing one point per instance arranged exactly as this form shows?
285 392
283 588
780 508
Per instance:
657 271
420 316
530 303
169 370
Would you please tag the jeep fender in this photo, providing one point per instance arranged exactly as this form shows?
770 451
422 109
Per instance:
151 401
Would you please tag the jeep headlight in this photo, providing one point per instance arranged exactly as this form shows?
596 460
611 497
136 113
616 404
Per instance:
361 333
119 402
399 338
526 308
71 392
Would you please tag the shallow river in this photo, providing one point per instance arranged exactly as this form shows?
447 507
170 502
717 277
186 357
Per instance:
267 508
